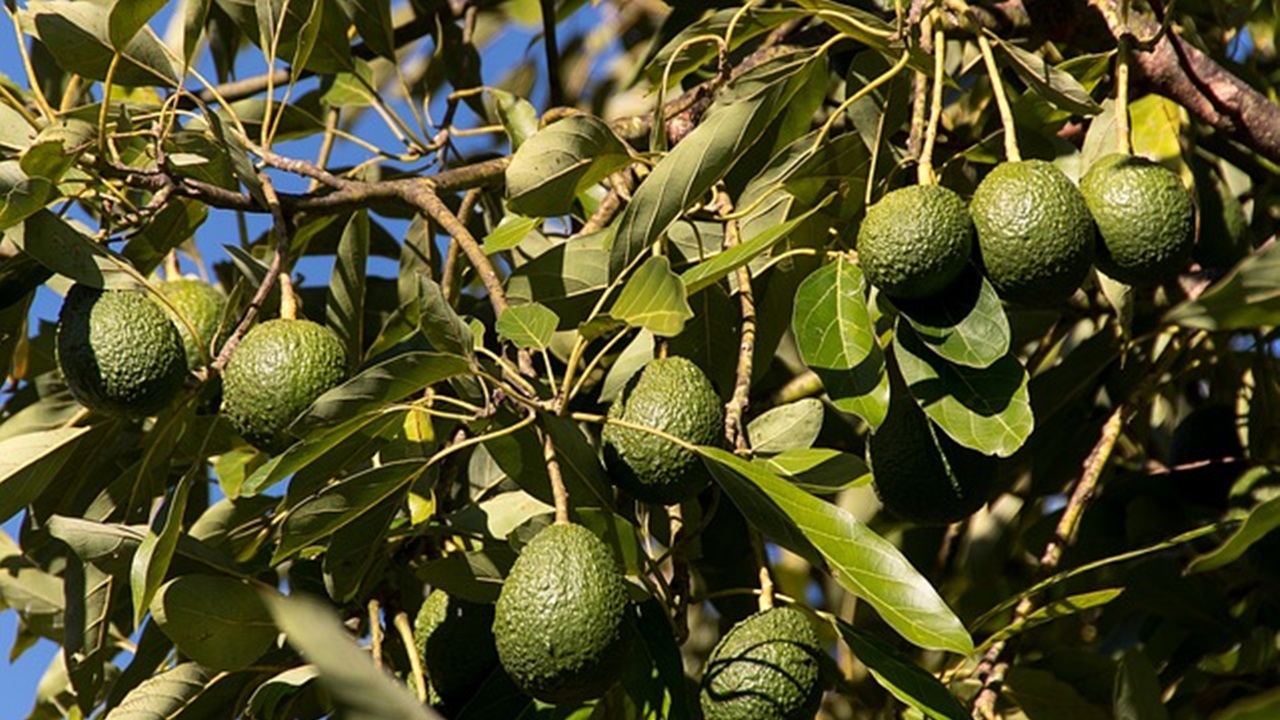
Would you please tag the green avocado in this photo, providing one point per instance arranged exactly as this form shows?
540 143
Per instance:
118 351
201 304
767 667
454 639
915 241
1035 235
280 368
920 474
672 395
560 623
1145 218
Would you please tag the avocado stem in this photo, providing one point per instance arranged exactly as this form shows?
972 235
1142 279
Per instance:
1011 151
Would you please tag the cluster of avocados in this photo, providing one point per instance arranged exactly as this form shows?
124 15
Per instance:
129 353
1035 236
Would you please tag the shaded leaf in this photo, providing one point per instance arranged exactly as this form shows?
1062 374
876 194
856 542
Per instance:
78 36
127 18
67 250
1261 520
272 696
1246 298
22 195
527 326
219 622
986 409
440 322
821 471
312 448
654 299
966 325
344 311
860 560
165 695
385 382
900 676
561 160
1137 689
28 463
1045 697
1056 85
337 505
1060 608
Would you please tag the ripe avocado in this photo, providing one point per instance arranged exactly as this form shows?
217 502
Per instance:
279 368
920 474
202 305
767 667
455 641
674 396
1145 219
119 352
1035 235
915 241
560 622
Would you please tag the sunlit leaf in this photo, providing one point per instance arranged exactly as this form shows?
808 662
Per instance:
561 160
527 326
654 299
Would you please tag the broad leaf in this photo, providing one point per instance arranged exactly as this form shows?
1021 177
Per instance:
387 381
22 194
509 233
860 560
654 299
821 471
560 161
837 340
1246 298
679 57
128 17
67 250
1056 85
165 695
79 36
985 409
794 426
901 677
1138 694
359 689
217 621
527 326
966 326
28 463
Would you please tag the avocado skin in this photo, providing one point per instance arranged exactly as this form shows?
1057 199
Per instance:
915 241
672 395
767 667
1036 237
922 475
118 351
280 368
560 621
454 639
1145 218
202 305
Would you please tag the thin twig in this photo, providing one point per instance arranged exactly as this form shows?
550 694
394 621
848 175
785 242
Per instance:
375 631
736 408
554 80
405 631
448 274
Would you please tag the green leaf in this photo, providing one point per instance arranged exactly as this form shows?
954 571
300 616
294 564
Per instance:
1261 520
518 116
561 160
837 340
862 562
1246 298
720 265
905 680
271 698
968 328
359 689
90 596
732 125
985 409
28 463
312 448
337 505
374 22
22 195
66 249
655 682
821 471
1056 85
28 589
57 148
217 621
511 231
677 59
527 326
566 278
1262 706
128 17
1045 697
388 381
1138 695
440 322
344 311
794 426
197 15
1060 608
152 558
78 36
654 299
166 695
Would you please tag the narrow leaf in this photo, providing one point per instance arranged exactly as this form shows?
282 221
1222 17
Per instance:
1060 608
151 561
341 503
901 677
312 448
67 250
165 695
860 560
387 381
28 463
1056 85
1246 298
344 312
719 266
1261 520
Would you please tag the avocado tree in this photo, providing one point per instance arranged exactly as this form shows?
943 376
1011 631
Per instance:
407 371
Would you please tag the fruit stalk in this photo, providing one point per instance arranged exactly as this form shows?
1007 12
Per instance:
1123 143
405 629
1011 151
924 171
558 489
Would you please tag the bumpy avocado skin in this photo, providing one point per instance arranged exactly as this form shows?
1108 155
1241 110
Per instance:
1145 218
768 667
454 639
202 305
1035 235
915 241
119 352
280 368
920 474
561 619
672 395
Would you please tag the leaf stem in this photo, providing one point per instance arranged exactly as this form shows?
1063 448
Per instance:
1011 152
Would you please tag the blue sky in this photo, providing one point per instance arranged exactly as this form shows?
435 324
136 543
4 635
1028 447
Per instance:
18 680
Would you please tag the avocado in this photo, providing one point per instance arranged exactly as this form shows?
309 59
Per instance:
922 475
560 623
454 639
768 667
1145 218
672 395
915 241
118 351
280 367
1035 235
202 306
